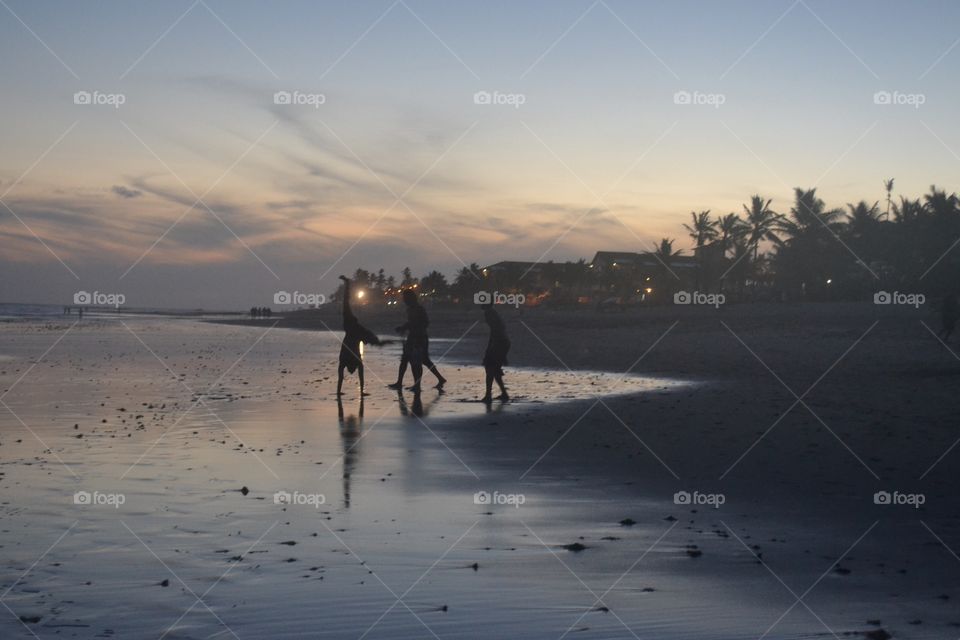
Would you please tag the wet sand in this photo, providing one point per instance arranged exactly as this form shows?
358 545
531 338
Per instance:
598 548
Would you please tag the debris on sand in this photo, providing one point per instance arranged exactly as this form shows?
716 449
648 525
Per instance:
244 490
628 522
576 547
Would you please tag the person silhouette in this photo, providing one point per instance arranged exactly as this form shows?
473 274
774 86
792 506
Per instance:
354 333
495 356
416 344
948 315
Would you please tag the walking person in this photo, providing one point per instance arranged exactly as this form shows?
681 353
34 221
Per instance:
495 357
416 345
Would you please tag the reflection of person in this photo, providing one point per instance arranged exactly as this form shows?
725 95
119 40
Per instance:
351 354
495 356
417 343
350 438
948 315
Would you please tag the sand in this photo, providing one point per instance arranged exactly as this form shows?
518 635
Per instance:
195 427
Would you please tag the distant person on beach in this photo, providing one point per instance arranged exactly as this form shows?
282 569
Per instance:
948 315
351 357
416 345
495 356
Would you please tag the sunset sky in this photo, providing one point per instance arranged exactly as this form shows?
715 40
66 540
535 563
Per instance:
400 166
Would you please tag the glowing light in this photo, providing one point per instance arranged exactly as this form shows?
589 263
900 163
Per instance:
649 289
360 294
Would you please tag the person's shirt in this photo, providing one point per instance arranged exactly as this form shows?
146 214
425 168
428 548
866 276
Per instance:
498 330
417 322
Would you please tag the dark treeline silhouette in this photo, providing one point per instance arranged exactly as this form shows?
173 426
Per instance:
801 250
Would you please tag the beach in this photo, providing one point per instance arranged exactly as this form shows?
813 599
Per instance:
660 473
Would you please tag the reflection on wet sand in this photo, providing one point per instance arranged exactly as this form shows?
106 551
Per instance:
350 436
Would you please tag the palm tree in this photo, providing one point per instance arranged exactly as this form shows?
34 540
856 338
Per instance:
730 227
664 254
863 218
701 231
762 223
809 215
907 210
888 187
703 228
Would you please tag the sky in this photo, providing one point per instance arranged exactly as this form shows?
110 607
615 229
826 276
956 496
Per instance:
432 134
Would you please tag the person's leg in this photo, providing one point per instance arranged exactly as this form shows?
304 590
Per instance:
417 367
360 375
401 371
503 389
440 379
489 385
340 379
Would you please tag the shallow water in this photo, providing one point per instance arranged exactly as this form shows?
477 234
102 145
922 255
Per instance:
386 539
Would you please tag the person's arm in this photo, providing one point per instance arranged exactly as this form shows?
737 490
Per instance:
347 311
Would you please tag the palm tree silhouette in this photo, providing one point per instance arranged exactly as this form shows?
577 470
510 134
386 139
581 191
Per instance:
762 223
702 230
